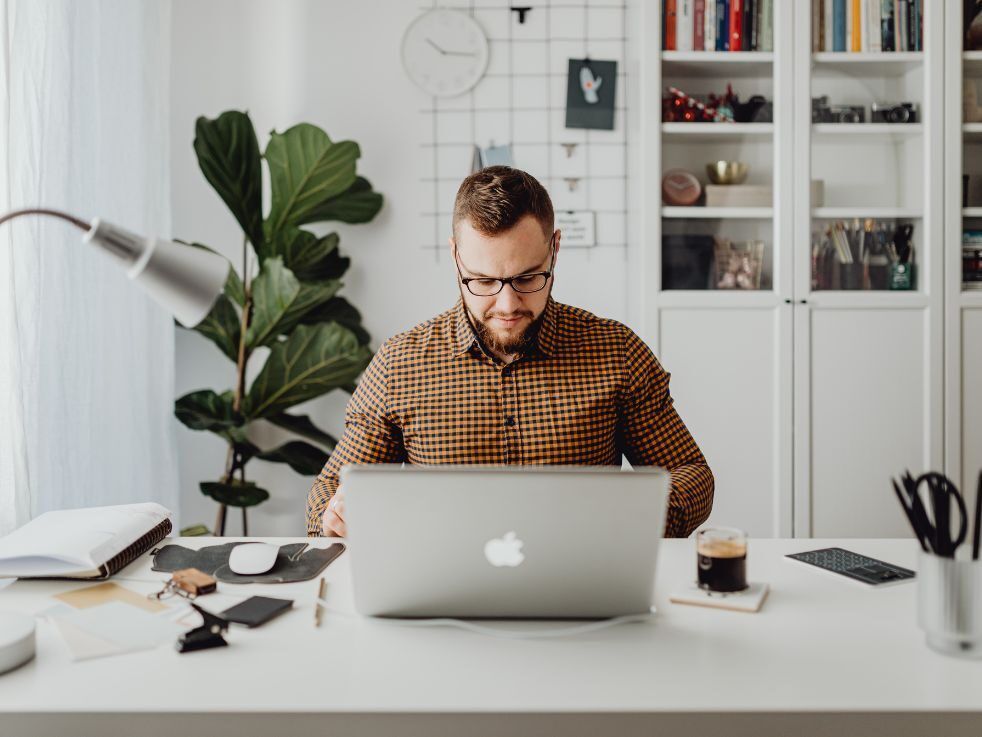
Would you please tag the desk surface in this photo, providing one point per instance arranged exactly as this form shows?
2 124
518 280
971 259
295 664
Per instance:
822 644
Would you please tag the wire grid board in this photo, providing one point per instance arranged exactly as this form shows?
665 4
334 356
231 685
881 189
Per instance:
521 100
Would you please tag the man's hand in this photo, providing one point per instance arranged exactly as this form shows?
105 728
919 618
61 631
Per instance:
333 520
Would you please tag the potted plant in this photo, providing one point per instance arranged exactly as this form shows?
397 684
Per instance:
282 301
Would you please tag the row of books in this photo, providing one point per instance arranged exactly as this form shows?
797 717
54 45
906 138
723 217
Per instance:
718 25
867 25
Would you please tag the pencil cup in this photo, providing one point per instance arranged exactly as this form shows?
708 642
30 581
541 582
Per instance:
949 604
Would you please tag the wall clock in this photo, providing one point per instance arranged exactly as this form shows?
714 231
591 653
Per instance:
445 52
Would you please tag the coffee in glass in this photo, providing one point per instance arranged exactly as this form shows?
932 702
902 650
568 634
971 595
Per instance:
722 559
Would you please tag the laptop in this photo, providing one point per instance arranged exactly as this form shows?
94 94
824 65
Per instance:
526 542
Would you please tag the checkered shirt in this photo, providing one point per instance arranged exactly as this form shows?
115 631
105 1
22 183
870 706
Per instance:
588 392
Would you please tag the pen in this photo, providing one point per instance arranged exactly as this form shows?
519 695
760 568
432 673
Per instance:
318 608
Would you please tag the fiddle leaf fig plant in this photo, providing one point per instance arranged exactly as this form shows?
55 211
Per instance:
282 297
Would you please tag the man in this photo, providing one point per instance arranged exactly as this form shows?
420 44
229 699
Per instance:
508 376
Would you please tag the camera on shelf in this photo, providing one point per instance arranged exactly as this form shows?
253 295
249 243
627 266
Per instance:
823 112
889 112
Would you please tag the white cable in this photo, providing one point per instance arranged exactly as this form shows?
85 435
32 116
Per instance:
463 624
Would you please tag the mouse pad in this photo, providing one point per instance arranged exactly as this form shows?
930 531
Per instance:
294 562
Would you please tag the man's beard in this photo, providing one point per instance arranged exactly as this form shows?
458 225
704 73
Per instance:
510 345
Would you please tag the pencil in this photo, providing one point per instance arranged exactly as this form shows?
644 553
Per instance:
318 608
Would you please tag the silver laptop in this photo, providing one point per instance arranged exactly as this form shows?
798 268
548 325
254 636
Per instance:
530 541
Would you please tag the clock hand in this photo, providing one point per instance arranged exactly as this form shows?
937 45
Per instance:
445 52
431 43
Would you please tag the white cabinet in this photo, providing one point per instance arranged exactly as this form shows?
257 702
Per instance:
729 380
808 394
863 413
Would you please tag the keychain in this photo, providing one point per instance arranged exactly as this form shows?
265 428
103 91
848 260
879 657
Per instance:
187 582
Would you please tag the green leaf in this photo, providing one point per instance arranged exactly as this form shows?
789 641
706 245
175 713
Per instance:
358 204
302 457
228 154
222 326
273 292
234 289
280 301
305 170
312 361
301 425
235 493
245 450
341 311
206 410
307 256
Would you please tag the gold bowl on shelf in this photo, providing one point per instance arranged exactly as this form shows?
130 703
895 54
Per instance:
727 172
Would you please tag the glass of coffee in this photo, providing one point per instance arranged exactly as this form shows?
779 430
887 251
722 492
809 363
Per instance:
722 559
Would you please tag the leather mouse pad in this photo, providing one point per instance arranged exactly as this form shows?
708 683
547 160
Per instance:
294 562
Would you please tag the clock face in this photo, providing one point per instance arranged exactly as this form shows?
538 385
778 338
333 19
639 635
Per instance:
445 52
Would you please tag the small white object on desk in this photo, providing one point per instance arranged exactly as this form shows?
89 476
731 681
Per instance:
252 559
751 599
16 640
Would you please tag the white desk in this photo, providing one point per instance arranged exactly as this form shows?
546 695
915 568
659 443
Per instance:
825 656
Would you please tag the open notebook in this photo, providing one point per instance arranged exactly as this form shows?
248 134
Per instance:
93 542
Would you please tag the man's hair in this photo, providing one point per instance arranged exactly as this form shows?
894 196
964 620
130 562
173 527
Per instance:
494 199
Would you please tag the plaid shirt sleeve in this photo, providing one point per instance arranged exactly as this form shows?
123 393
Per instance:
370 436
653 434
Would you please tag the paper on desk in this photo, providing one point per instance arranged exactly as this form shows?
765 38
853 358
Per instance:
103 593
113 628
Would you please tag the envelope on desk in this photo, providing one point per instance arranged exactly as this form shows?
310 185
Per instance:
111 629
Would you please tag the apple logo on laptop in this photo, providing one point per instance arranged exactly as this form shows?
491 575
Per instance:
504 551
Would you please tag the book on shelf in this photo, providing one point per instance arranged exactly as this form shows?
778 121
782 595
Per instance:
669 16
709 29
718 25
683 19
736 25
867 25
767 25
722 25
699 25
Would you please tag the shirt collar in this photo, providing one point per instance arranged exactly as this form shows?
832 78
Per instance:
465 338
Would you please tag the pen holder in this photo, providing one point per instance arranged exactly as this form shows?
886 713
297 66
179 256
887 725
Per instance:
949 604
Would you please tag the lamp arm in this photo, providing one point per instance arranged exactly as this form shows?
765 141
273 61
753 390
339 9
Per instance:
44 211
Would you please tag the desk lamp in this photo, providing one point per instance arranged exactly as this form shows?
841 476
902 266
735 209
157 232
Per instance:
184 280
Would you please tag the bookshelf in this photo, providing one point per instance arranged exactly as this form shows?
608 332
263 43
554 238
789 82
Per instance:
963 307
794 390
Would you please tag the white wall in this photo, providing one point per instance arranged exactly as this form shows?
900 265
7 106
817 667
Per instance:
335 65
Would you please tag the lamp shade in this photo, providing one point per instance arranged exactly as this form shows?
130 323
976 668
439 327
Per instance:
184 280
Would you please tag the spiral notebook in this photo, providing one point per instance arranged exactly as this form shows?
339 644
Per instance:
90 543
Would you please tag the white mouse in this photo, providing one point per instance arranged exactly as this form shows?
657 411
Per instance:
251 559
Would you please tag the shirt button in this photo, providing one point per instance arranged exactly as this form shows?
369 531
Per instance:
509 421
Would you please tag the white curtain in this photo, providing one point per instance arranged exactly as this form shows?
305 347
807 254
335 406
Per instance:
86 361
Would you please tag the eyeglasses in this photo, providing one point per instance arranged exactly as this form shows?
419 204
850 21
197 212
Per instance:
523 283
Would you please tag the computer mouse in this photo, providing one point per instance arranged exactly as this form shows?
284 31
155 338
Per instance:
251 559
